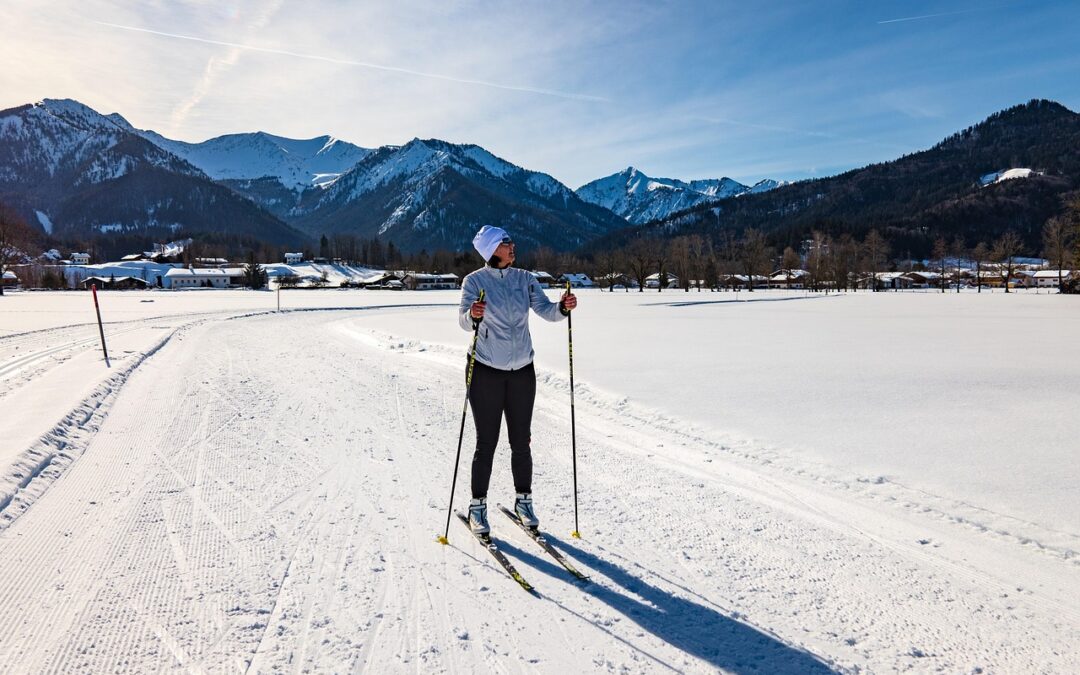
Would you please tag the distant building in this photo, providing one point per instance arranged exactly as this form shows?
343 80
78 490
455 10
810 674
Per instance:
789 279
577 280
80 258
653 281
196 278
415 281
544 279
113 283
742 281
377 280
294 258
1049 278
924 279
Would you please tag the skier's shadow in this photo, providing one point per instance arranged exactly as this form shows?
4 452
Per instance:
698 630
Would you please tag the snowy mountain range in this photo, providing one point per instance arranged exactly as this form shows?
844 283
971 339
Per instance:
270 170
430 193
639 198
296 164
74 171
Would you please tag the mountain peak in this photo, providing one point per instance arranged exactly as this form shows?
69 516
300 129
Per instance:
640 198
79 114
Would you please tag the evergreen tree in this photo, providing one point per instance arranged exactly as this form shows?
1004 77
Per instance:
254 273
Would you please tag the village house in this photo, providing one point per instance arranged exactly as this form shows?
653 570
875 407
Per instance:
1049 278
114 283
237 276
544 279
990 278
195 278
617 281
80 258
577 280
653 281
743 281
379 280
416 281
789 279
924 279
294 258
1023 278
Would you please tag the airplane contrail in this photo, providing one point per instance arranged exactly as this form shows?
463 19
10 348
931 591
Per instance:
934 16
361 64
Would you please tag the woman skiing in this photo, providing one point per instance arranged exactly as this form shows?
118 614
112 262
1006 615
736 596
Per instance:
503 380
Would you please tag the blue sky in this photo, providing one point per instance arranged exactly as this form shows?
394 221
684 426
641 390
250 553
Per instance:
579 90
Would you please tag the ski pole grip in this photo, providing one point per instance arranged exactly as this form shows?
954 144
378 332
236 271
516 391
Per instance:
480 299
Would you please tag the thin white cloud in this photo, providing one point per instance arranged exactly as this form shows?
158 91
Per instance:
218 65
363 64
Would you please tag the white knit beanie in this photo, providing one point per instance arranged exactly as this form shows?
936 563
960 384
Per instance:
488 239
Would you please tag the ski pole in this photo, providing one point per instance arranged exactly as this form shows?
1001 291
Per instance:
461 434
573 431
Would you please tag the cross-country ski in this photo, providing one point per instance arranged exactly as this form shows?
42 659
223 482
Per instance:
489 544
540 539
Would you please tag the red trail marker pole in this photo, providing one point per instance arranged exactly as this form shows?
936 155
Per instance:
101 331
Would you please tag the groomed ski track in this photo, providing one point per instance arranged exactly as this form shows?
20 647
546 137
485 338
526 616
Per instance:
263 495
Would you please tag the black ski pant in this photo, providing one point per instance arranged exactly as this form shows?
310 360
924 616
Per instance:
495 393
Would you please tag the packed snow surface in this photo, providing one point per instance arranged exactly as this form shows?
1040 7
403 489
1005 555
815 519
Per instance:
768 482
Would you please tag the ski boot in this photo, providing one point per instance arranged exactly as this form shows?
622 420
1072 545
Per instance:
478 520
523 509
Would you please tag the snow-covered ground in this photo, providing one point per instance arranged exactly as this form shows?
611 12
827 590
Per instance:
769 482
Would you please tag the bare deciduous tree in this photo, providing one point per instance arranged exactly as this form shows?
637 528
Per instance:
679 252
816 263
980 254
1057 244
754 255
640 259
700 252
662 256
15 238
875 252
941 252
789 262
1007 247
844 259
958 251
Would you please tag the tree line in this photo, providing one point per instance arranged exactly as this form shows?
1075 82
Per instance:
712 261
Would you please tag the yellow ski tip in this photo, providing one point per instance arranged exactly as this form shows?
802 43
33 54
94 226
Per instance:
442 540
575 534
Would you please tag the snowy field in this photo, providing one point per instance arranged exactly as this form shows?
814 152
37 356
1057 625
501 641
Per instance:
769 482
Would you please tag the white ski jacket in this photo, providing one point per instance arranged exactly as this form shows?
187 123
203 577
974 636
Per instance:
504 341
